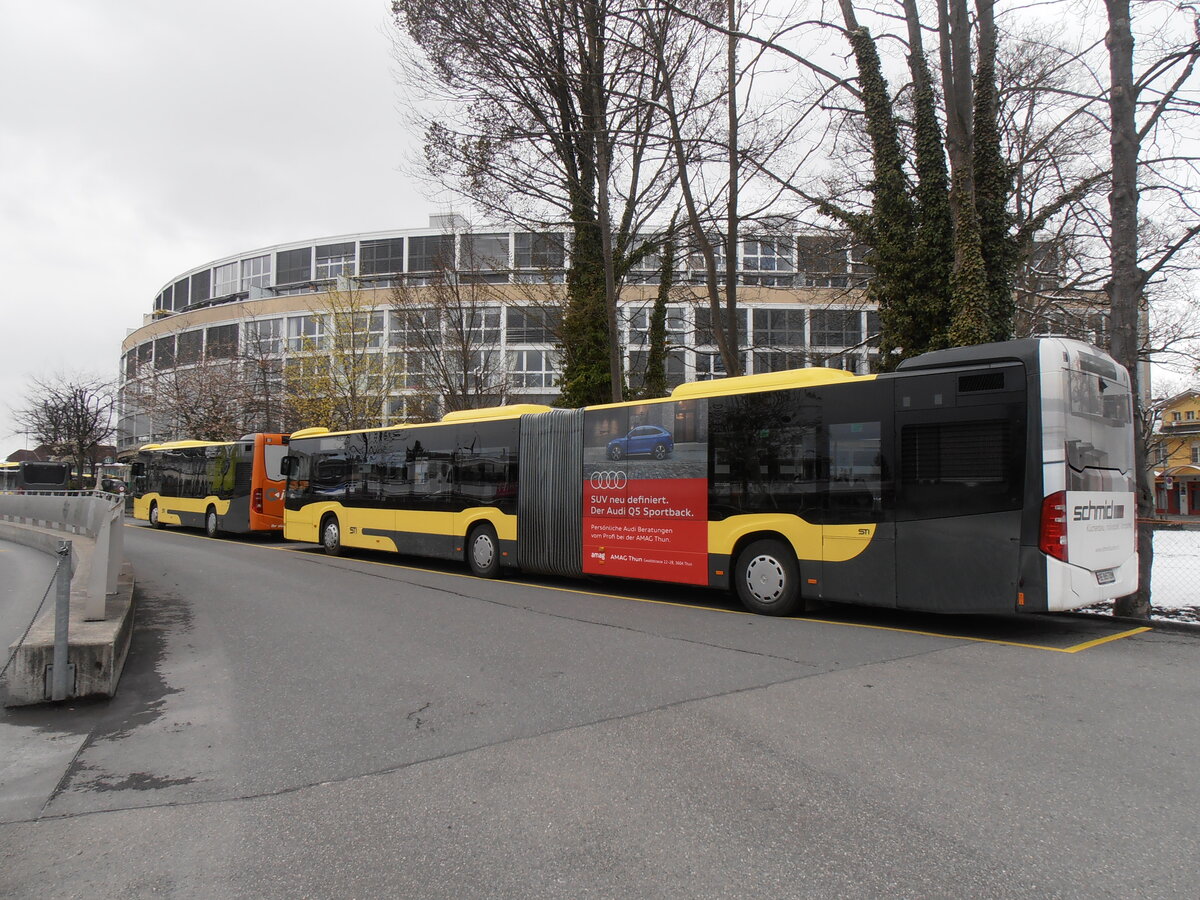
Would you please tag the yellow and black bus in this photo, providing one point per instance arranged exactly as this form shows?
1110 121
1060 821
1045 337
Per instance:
995 478
220 486
28 476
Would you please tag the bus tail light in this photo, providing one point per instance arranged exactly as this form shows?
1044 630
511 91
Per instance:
257 502
1053 537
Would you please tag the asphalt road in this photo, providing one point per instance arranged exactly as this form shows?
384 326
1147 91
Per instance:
291 725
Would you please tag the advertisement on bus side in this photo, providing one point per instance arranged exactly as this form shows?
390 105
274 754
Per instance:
645 491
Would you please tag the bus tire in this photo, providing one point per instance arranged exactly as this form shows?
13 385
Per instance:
210 523
331 536
483 551
154 519
767 578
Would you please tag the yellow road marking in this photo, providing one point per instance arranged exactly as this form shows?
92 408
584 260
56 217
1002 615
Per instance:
1104 640
1086 645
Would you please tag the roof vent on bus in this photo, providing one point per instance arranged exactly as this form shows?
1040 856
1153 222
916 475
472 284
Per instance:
983 381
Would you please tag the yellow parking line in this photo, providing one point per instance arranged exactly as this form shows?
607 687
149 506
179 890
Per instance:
1104 640
739 612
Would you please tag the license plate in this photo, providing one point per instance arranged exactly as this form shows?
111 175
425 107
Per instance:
1106 576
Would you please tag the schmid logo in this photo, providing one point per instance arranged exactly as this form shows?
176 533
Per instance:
1095 512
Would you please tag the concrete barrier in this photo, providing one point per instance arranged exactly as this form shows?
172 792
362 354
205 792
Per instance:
101 606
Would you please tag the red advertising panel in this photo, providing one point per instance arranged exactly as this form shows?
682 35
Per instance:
645 492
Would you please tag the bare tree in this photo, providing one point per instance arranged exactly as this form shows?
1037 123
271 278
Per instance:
337 374
541 119
70 414
204 401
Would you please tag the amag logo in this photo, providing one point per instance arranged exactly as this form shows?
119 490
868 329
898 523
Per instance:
1096 512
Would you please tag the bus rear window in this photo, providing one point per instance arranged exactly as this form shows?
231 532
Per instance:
45 473
1099 411
273 455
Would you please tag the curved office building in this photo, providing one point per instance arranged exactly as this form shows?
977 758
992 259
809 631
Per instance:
274 310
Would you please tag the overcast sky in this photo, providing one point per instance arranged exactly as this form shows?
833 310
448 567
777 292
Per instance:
141 138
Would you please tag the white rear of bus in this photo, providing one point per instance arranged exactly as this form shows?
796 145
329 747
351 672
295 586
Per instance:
1089 508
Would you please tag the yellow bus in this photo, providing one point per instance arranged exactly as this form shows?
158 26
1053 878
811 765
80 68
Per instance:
220 486
996 478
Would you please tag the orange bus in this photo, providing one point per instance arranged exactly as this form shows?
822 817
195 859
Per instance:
220 486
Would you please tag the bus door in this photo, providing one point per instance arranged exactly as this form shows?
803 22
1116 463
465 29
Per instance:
858 534
960 438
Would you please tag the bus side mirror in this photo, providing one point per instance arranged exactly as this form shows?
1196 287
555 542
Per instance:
137 470
285 465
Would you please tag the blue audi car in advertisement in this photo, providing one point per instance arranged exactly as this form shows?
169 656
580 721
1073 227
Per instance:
644 440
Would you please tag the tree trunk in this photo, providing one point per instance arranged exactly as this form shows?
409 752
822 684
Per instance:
1128 280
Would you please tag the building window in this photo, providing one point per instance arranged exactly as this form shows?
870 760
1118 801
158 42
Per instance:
431 253
360 330
221 341
821 260
164 353
638 359
539 251
531 325
181 293
256 272
711 365
145 354
383 257
777 360
704 329
335 259
639 326
484 257
696 259
306 333
1190 415
531 368
201 282
647 269
764 262
414 328
189 346
478 326
264 337
836 327
293 266
225 280
778 328
1195 453
1176 417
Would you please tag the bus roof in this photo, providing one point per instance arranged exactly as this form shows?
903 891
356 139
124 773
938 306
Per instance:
184 445
457 417
766 381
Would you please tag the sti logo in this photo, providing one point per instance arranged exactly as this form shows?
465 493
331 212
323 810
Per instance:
1096 512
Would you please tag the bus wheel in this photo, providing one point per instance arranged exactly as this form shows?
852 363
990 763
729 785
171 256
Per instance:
154 516
331 536
210 523
483 551
767 579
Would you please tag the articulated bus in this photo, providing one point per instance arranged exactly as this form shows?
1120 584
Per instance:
234 486
989 479
23 477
